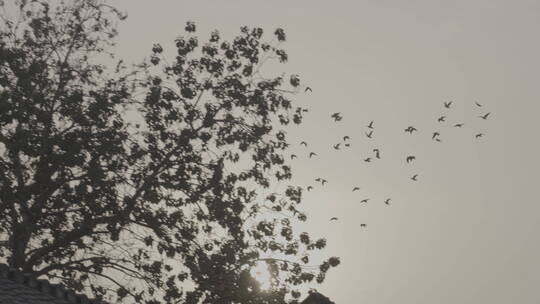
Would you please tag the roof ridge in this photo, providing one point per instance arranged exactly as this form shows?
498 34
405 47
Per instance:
58 291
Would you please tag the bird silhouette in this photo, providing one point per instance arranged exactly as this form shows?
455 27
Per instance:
370 125
304 143
347 145
377 153
364 201
479 135
309 188
363 225
479 105
336 116
447 104
334 218
367 160
345 138
308 89
485 116
410 158
387 201
293 156
336 146
458 125
295 80
312 154
435 134
414 177
410 129
441 119
355 189
369 134
323 181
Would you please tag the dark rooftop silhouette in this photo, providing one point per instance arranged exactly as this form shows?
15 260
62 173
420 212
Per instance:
17 287
317 298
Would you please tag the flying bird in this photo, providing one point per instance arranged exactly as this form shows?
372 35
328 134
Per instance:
304 143
308 89
369 134
309 188
485 116
364 201
336 146
414 177
458 125
321 180
347 145
363 225
410 158
333 218
479 105
377 153
479 135
387 201
355 189
410 129
336 116
447 104
435 134
441 119
293 156
312 154
345 138
367 160
370 125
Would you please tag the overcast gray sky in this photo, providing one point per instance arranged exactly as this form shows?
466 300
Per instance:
467 231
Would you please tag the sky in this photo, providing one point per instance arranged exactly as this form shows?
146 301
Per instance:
467 230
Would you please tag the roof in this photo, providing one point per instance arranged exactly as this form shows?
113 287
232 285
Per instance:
316 298
17 287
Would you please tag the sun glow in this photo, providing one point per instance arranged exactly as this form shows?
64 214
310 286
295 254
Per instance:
261 273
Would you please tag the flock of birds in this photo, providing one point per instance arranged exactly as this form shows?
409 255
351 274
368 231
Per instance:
369 133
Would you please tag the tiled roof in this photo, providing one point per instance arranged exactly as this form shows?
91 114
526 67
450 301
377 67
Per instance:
17 287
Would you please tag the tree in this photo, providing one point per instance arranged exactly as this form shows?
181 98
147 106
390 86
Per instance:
144 184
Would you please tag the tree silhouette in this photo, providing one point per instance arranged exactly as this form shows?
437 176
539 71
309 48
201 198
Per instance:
147 184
